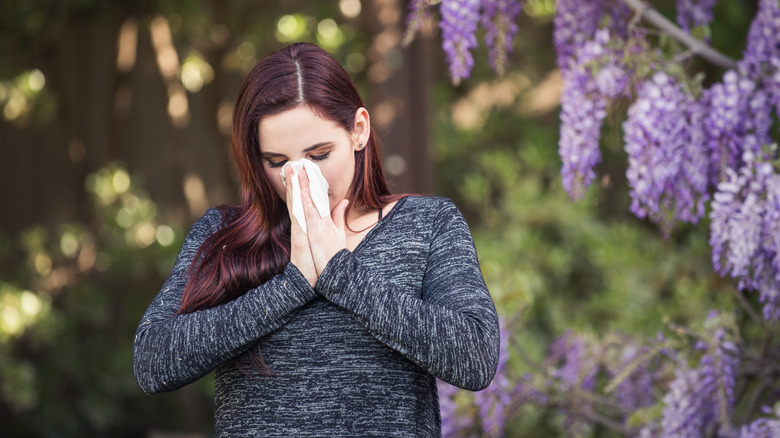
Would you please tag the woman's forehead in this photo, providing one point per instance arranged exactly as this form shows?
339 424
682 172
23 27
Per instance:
296 130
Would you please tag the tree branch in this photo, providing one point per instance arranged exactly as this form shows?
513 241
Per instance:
644 10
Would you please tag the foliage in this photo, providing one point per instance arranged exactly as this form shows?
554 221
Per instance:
697 150
69 314
71 295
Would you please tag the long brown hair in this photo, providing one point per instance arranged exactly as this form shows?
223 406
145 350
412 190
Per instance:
253 243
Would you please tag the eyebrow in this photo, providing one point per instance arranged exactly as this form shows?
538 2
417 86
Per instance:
308 149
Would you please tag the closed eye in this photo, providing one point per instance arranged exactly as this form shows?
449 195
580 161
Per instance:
321 156
275 164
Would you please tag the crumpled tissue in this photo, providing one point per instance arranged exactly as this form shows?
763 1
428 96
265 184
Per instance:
317 185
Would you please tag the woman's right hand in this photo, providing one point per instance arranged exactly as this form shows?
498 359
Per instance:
300 250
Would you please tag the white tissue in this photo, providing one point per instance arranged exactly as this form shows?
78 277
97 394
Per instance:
317 185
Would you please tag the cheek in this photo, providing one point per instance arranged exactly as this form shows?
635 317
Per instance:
276 181
339 180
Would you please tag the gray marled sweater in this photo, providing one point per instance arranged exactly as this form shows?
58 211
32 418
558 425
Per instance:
358 355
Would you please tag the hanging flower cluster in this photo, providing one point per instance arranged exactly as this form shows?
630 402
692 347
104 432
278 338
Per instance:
591 61
694 13
701 399
667 163
458 24
499 19
593 77
681 144
459 21
493 402
691 149
744 230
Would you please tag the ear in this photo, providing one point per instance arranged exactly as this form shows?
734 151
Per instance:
362 129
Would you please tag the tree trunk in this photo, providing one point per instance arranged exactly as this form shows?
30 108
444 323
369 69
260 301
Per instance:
400 80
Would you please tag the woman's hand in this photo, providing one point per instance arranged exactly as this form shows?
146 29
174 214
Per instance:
327 235
300 251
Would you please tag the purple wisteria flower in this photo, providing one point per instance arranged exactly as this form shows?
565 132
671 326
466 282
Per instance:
589 83
744 228
738 120
667 162
694 13
419 11
717 370
763 42
575 22
573 368
702 398
453 423
499 18
459 20
684 406
494 401
765 427
761 58
636 390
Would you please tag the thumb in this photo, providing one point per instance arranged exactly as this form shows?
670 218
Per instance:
338 213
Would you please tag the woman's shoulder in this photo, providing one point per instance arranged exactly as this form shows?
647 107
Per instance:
214 218
433 205
428 209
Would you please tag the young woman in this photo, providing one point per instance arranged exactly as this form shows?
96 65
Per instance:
337 331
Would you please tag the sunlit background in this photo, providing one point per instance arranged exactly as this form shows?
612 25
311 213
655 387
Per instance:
114 132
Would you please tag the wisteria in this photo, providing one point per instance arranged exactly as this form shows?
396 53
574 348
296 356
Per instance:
702 398
635 390
743 231
694 13
453 423
694 145
573 368
763 42
764 427
575 24
499 18
590 58
494 401
667 164
684 411
734 123
419 11
584 101
459 20
761 59
718 370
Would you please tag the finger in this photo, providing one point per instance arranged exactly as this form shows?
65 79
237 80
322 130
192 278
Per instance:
303 178
309 209
288 186
288 176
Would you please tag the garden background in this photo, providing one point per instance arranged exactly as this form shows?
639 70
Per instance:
114 138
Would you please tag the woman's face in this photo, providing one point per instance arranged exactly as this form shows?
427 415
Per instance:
301 133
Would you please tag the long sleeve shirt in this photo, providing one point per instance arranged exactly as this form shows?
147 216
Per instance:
357 356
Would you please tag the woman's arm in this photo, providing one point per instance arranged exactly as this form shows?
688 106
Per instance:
173 350
451 330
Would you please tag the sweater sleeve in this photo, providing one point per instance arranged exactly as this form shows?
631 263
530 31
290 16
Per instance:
451 329
171 350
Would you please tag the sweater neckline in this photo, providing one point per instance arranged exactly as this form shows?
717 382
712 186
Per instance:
381 223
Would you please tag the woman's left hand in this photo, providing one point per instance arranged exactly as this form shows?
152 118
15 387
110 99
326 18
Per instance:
327 235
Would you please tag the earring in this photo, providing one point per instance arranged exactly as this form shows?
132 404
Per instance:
360 146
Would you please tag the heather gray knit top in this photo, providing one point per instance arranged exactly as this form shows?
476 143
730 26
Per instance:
356 356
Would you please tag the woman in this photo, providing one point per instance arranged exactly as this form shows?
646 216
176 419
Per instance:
338 332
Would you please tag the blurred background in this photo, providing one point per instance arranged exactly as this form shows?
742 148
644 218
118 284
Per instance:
114 134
